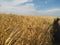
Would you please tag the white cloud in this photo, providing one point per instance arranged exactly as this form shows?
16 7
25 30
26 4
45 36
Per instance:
19 1
52 10
13 2
29 9
26 9
49 11
30 0
8 7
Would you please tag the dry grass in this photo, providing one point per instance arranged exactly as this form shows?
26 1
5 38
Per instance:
25 30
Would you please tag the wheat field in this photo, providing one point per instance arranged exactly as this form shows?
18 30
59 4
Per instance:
25 30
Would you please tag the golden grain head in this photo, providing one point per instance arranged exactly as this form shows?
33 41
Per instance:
25 30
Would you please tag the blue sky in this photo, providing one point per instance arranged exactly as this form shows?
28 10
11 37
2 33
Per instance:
31 7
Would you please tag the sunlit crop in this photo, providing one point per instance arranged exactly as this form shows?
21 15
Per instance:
25 30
